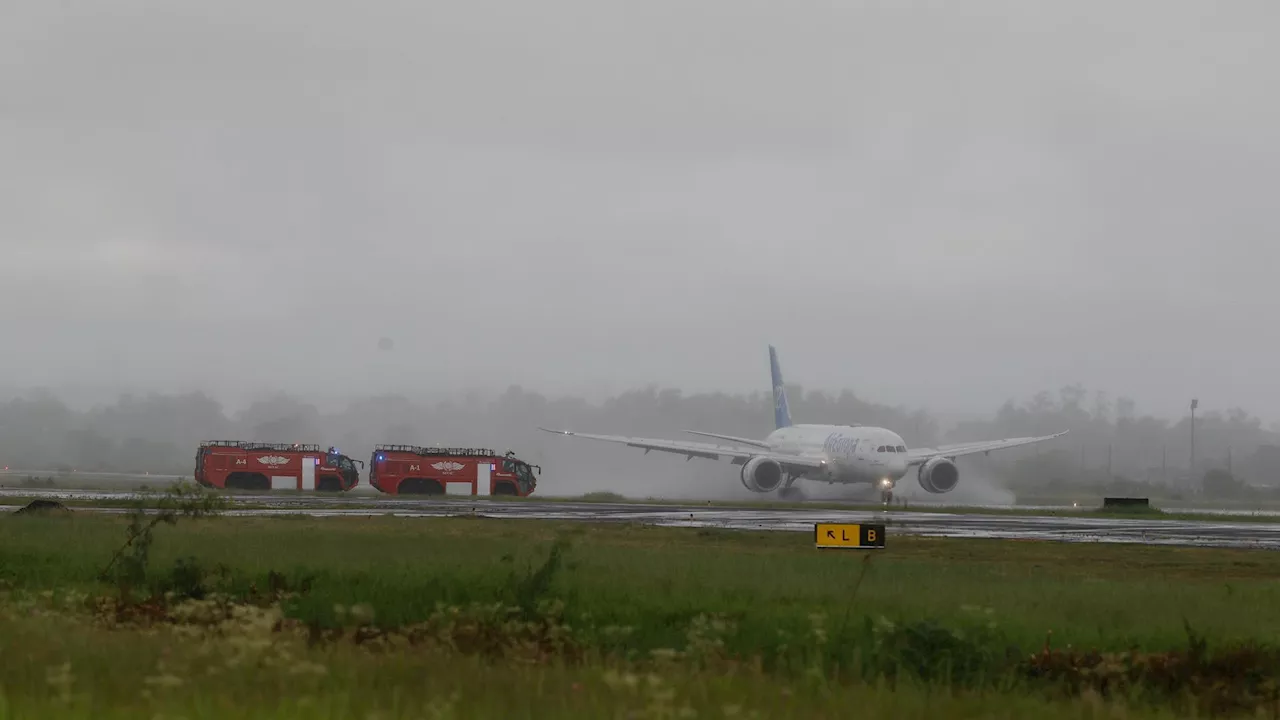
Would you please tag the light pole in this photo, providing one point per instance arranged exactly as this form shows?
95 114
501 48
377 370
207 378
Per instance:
1194 403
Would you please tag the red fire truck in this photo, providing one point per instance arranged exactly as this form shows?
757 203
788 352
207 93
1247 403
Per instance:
411 469
239 465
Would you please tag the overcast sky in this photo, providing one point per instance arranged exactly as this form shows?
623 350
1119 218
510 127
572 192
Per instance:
931 203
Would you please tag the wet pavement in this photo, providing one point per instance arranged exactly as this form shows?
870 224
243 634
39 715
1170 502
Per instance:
972 524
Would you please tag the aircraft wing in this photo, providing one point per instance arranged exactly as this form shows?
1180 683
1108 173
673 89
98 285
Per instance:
731 438
737 456
917 456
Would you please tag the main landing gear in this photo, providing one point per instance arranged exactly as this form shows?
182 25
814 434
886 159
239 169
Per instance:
790 493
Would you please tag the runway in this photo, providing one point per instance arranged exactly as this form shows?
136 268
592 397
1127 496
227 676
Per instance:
1202 533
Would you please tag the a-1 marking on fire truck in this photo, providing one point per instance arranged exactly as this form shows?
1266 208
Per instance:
398 469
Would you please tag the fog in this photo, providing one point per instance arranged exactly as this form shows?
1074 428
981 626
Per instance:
1110 442
939 206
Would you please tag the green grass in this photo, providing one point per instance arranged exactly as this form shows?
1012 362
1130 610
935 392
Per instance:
83 481
657 578
762 620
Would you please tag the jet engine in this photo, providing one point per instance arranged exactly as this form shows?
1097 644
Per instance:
939 475
762 475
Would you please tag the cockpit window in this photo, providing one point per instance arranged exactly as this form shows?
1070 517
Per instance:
880 449
902 448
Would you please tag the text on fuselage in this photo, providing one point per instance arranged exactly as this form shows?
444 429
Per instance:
838 444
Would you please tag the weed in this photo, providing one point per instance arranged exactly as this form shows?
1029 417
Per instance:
127 569
530 590
1238 678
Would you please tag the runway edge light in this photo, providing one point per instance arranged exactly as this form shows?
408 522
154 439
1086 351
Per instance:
848 536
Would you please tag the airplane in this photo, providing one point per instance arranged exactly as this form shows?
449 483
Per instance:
844 454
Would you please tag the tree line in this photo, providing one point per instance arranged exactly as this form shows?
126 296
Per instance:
1109 438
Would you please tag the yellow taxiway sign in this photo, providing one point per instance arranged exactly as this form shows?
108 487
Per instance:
843 535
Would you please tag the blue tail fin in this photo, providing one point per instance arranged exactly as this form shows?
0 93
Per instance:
781 411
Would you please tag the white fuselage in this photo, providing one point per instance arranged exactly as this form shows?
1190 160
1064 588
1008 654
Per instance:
854 454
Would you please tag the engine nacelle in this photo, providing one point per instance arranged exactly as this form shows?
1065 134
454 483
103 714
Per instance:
939 475
762 475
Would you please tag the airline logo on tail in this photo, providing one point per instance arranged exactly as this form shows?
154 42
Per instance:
781 412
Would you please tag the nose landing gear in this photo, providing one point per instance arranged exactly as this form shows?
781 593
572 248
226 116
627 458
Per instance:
886 491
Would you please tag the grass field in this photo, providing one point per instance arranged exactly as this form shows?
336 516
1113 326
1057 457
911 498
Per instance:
460 617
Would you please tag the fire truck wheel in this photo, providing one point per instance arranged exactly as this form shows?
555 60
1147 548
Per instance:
329 483
247 481
420 486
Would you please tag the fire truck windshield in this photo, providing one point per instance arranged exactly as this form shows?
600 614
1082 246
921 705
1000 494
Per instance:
342 462
522 471
524 476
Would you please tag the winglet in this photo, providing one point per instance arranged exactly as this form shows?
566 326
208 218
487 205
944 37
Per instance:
781 410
